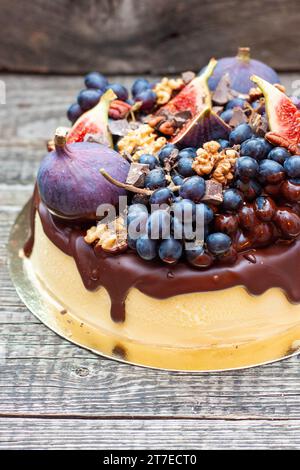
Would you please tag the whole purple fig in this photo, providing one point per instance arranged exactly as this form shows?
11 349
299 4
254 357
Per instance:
240 69
69 180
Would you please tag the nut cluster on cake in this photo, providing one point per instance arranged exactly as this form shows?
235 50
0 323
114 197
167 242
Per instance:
221 149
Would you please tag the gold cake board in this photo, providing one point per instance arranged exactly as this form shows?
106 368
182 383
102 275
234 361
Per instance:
48 310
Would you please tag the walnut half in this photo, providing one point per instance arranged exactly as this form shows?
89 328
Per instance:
111 237
219 165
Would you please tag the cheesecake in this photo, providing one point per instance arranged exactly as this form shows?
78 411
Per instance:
227 299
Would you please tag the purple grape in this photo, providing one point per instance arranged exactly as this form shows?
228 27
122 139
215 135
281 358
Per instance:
218 243
95 80
139 85
159 224
235 103
146 248
74 112
87 99
227 115
193 188
148 99
148 159
170 250
119 90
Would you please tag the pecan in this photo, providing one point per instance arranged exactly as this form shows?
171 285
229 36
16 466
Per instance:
118 109
255 93
154 121
167 127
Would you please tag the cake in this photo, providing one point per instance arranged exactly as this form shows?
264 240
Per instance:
165 228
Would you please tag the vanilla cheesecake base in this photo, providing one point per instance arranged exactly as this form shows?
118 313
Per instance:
204 330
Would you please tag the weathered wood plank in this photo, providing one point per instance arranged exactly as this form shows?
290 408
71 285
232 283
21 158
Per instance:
130 36
149 434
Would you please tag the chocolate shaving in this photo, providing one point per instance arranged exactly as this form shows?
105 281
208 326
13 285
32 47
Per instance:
170 162
136 174
182 116
95 138
213 192
188 76
223 92
238 117
259 124
118 127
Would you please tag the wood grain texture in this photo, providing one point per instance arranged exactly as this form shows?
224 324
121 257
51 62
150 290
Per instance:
144 434
54 394
133 36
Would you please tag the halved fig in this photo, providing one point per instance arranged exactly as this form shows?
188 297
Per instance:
94 123
194 97
283 116
205 126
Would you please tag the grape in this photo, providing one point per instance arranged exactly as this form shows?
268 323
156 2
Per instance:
87 99
95 80
74 112
119 90
218 243
170 250
146 248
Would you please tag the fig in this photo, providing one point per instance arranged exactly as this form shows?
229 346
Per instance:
240 69
94 122
283 116
205 126
69 180
194 97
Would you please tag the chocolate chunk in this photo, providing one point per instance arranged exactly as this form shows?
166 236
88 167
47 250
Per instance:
213 192
223 92
118 127
182 117
188 76
238 117
95 138
259 124
136 174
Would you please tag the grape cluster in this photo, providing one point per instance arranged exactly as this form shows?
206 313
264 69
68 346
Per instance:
96 84
259 206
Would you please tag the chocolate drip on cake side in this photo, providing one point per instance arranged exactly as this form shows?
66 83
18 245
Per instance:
275 266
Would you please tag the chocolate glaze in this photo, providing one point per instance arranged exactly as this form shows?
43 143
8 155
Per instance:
275 266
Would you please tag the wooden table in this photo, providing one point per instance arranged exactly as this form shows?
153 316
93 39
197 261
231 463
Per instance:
56 395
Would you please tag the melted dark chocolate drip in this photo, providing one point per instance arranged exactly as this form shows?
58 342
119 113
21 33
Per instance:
275 266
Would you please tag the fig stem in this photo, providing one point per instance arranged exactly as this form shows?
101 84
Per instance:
130 187
244 54
60 137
